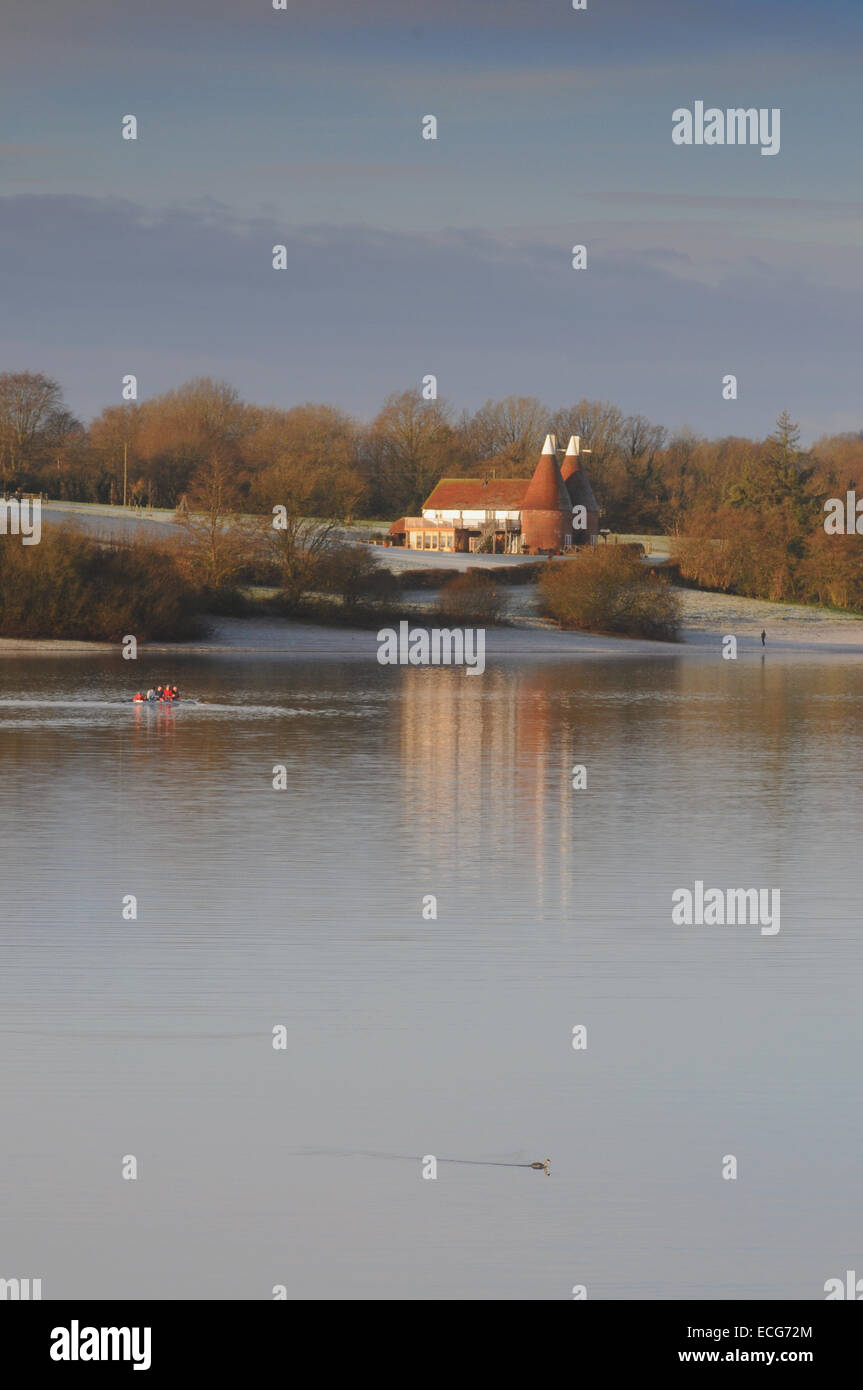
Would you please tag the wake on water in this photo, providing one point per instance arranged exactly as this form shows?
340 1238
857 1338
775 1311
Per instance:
127 704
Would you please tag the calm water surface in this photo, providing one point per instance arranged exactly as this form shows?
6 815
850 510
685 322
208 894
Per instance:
406 1036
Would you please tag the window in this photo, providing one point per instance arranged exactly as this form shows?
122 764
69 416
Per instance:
434 540
416 540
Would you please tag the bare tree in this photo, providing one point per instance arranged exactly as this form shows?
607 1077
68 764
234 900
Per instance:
181 430
599 424
27 400
510 430
296 543
408 448
641 442
312 449
220 541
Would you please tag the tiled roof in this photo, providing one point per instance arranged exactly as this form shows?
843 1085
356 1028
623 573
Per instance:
472 494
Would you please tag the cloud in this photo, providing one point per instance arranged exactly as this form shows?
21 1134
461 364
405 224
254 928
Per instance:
332 169
634 25
734 203
406 14
93 289
11 150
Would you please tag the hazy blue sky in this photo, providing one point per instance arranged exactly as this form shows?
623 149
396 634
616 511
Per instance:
409 256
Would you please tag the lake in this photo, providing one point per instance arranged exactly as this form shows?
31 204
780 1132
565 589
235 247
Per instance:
411 1035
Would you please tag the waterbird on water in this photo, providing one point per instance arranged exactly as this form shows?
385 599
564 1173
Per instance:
542 1165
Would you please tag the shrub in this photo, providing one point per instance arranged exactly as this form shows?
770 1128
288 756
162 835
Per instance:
472 597
355 575
74 587
517 574
421 579
605 589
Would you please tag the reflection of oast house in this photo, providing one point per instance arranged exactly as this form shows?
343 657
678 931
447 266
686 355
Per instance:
492 758
508 515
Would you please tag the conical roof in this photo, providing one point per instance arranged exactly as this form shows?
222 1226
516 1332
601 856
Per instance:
576 480
546 491
571 461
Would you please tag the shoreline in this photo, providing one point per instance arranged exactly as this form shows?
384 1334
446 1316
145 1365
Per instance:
791 631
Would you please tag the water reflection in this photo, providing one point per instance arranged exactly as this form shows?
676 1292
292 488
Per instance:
303 908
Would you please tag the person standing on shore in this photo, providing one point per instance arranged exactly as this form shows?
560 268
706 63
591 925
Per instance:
763 637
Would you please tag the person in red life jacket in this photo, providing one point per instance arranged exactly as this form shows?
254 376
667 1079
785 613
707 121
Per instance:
139 698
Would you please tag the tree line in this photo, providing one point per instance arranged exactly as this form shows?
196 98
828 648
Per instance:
746 513
646 478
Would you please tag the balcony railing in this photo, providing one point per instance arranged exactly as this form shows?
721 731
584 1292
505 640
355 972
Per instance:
459 523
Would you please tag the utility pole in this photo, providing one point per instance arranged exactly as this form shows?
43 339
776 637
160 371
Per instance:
125 468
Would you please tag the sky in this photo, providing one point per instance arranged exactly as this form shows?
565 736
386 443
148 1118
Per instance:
303 127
